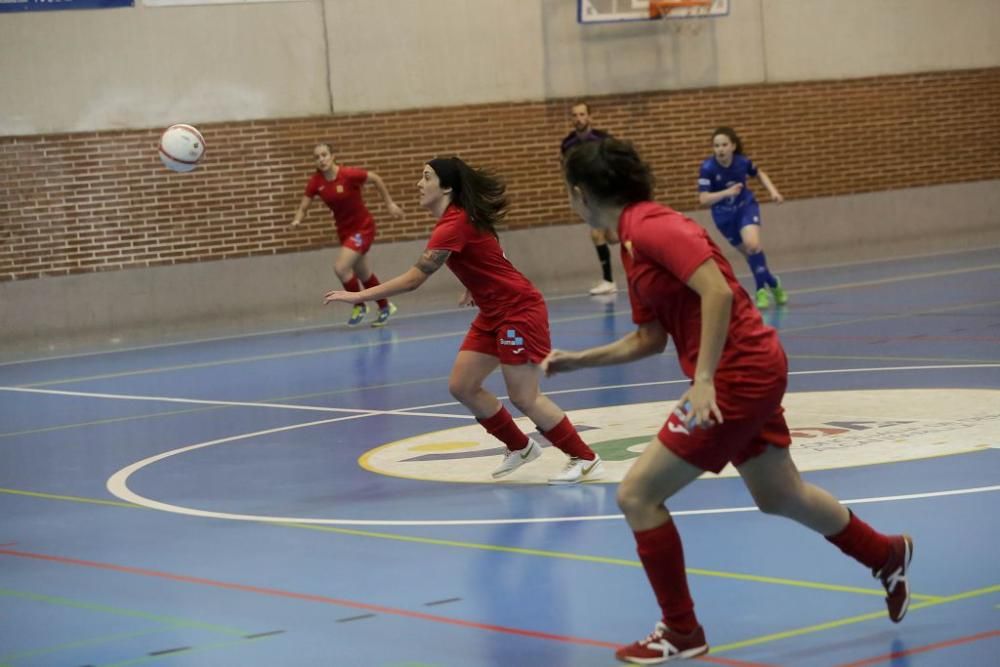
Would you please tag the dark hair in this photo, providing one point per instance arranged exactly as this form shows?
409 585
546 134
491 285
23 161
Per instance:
610 170
476 191
733 137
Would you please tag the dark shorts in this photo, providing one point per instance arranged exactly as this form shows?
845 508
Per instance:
730 224
519 338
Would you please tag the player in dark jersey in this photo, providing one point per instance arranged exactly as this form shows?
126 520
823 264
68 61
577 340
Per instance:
722 184
681 287
340 188
512 328
582 132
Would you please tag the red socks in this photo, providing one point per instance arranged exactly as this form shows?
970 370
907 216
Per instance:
563 436
352 285
862 543
662 557
372 282
502 427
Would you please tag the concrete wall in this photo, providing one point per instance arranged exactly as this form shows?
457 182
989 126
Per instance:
152 66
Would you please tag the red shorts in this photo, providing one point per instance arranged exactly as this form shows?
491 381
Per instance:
760 422
359 240
519 338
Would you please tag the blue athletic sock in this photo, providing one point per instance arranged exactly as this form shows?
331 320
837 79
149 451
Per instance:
761 276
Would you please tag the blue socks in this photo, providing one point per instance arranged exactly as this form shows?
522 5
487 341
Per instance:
758 266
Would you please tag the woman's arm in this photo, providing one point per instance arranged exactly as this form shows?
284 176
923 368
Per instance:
716 309
710 198
648 339
394 210
771 190
300 213
414 277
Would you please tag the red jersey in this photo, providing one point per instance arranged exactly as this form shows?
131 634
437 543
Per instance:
343 197
477 260
660 250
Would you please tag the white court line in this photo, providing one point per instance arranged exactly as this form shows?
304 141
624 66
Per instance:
410 411
244 404
117 484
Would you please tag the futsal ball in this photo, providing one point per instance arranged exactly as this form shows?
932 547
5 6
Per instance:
181 147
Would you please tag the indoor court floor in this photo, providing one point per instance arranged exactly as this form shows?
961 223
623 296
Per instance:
315 497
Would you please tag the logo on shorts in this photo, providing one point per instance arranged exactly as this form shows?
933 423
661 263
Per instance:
357 238
511 339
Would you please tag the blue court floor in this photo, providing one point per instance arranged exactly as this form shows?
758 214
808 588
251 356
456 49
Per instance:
315 497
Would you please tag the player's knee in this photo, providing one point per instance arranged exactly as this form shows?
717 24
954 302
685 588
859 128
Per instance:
773 501
344 273
752 248
631 499
523 399
461 390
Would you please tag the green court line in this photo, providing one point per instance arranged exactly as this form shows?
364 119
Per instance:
850 620
93 641
173 621
187 651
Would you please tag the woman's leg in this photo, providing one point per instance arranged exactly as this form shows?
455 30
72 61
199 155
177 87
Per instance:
363 271
777 488
523 388
655 476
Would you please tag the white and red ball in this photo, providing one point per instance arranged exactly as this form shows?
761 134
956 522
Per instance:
181 147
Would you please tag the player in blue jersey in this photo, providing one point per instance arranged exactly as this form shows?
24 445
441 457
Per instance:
722 184
583 132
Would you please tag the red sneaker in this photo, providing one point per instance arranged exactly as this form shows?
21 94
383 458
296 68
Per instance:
663 644
893 577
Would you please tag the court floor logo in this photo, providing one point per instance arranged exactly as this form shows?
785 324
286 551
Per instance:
833 429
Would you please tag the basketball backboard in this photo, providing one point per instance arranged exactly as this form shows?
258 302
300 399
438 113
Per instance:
614 11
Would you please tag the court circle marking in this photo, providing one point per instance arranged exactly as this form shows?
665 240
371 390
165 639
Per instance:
930 430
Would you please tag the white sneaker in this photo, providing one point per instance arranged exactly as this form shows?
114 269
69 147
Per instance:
603 287
513 460
579 470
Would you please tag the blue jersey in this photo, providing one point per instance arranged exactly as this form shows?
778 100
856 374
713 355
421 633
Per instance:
713 177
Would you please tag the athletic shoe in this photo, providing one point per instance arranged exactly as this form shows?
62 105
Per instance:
780 295
603 287
384 314
577 470
664 644
893 576
357 315
514 459
763 298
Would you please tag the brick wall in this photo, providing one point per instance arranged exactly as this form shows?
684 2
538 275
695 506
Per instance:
79 203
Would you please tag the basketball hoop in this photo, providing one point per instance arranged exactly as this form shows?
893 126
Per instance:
661 9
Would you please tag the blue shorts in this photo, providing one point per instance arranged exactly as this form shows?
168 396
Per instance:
731 222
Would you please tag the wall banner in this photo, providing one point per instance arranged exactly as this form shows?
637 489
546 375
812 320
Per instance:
48 5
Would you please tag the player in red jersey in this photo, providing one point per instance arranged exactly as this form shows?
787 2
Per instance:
340 187
512 328
681 286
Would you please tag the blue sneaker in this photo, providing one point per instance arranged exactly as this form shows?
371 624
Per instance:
357 315
384 314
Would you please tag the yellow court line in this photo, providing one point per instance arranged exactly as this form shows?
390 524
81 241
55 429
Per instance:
763 639
505 549
73 499
597 559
